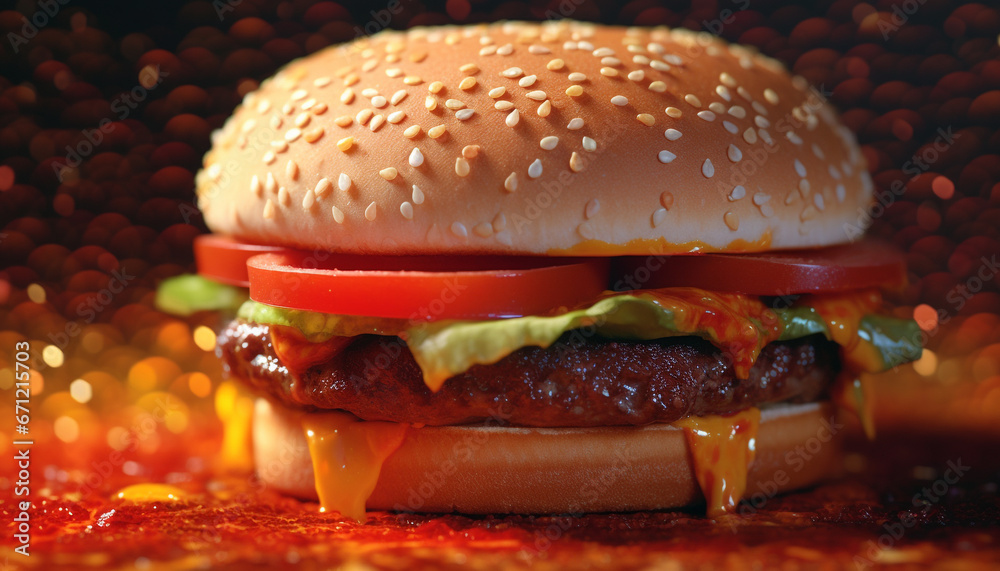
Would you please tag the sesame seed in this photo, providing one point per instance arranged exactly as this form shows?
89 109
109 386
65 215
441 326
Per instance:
488 51
672 134
343 182
841 193
569 46
269 157
666 156
759 108
576 76
394 72
708 169
369 92
808 213
292 170
430 103
659 65
302 119
771 96
723 92
418 57
619 100
411 131
512 72
284 197
364 116
435 87
270 185
834 172
292 135
575 123
765 136
544 109
461 166
717 107
497 92
603 52
637 75
417 195
536 95
646 119
706 115
734 153
727 79
416 157
369 65
322 186
398 96
549 143
584 45
322 81
469 69
396 117
527 81
794 138
510 183
343 121
371 212
255 186
299 94
454 104
313 135
692 100
280 146
406 209
750 135
412 80
609 72
338 215
804 187
592 208
575 162
513 118
674 112
319 108
658 86
388 173
483 230
555 65
535 169
538 50
589 144
659 217
503 105
800 168
351 79
377 122
737 193
574 91
744 93
817 151
731 220
499 222
308 199
505 50
467 83
640 59
464 114
436 131
458 229
269 209
470 151
379 102
738 111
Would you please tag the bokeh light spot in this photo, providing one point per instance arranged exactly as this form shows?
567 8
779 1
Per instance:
36 293
925 316
6 178
81 391
927 364
66 429
200 384
53 356
6 378
204 338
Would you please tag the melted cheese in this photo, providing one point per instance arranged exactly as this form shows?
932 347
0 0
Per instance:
722 449
347 456
852 392
659 247
234 406
151 493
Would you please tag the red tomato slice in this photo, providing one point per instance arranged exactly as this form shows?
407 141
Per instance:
866 264
424 288
224 259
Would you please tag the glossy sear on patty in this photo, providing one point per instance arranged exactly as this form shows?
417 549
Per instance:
598 382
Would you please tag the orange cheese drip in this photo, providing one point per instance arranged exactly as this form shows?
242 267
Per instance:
659 247
234 406
842 314
722 449
347 456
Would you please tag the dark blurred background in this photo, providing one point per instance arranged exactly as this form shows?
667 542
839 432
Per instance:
107 107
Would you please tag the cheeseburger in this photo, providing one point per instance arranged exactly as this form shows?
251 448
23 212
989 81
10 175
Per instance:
542 268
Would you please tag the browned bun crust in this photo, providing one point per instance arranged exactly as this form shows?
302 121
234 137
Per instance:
477 469
756 160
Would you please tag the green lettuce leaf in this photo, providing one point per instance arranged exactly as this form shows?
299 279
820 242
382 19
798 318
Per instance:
188 293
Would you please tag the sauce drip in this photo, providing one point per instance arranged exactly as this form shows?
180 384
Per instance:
722 449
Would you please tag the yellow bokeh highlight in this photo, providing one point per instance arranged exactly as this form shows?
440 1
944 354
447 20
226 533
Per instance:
174 336
204 338
152 372
151 493
66 429
6 378
36 293
81 391
927 364
53 356
200 384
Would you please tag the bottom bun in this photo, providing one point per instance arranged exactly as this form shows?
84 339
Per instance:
494 469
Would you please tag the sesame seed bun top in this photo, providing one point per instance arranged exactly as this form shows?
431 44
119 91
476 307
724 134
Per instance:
554 138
